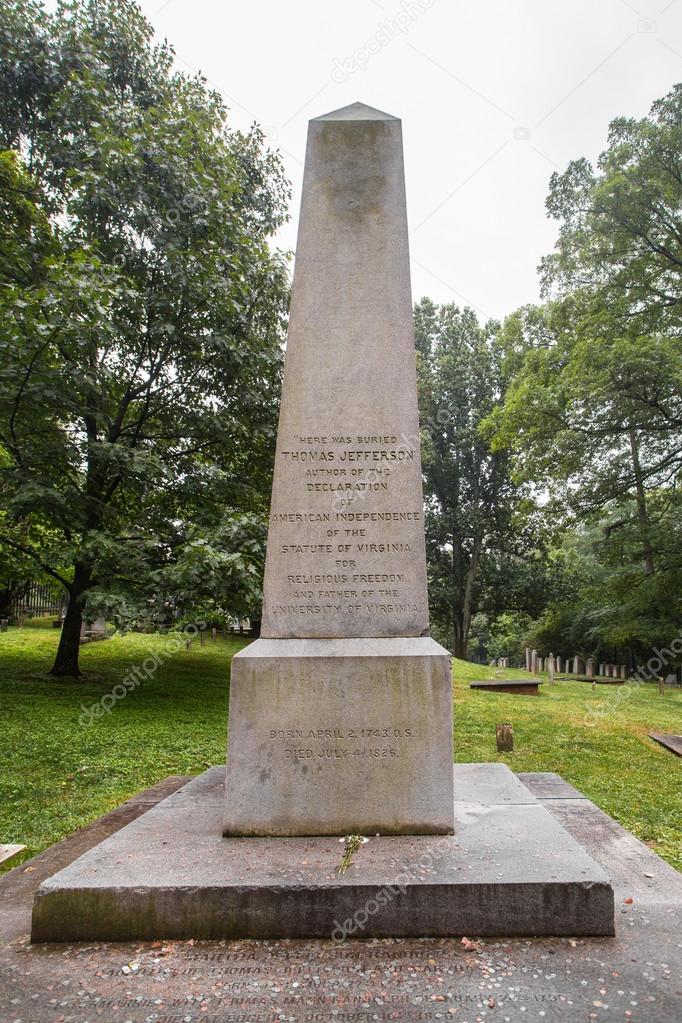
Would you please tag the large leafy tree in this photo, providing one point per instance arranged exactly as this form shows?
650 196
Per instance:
594 411
474 512
604 604
141 308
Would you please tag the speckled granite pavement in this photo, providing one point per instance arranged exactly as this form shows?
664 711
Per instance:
634 977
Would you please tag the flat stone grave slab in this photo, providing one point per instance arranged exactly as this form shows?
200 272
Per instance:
601 680
9 851
516 686
509 869
634 976
671 742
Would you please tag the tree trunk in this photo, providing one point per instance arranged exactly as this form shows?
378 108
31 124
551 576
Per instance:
8 594
66 661
462 614
459 648
642 511
468 601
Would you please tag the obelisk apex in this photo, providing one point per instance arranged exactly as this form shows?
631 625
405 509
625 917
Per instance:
345 551
356 112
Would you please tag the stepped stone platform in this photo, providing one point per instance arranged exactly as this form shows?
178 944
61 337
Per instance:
509 869
634 975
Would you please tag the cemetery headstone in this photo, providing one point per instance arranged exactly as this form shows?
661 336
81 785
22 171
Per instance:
504 734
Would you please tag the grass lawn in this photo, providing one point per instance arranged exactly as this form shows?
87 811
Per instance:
57 774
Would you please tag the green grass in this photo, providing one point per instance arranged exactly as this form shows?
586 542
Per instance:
57 774
613 762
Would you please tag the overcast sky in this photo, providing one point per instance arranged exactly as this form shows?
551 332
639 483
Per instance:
494 96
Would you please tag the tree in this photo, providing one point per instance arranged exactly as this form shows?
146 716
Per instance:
141 307
604 604
471 502
593 413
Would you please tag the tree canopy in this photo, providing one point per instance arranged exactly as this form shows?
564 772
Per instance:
142 315
141 311
593 412
478 522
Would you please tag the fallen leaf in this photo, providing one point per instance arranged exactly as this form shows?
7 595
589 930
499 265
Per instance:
628 902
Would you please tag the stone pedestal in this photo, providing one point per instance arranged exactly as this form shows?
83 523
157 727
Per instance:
509 869
340 736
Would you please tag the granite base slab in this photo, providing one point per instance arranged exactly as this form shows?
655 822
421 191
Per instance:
510 869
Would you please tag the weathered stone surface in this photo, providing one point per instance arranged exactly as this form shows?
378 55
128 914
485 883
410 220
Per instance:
345 553
504 734
332 737
327 738
9 851
18 887
510 869
547 785
240 981
671 742
515 686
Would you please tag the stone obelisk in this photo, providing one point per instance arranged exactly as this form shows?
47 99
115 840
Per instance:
340 715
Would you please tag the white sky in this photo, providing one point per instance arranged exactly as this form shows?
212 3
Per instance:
494 95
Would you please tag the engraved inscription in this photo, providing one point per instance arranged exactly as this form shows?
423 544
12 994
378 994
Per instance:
345 528
341 745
